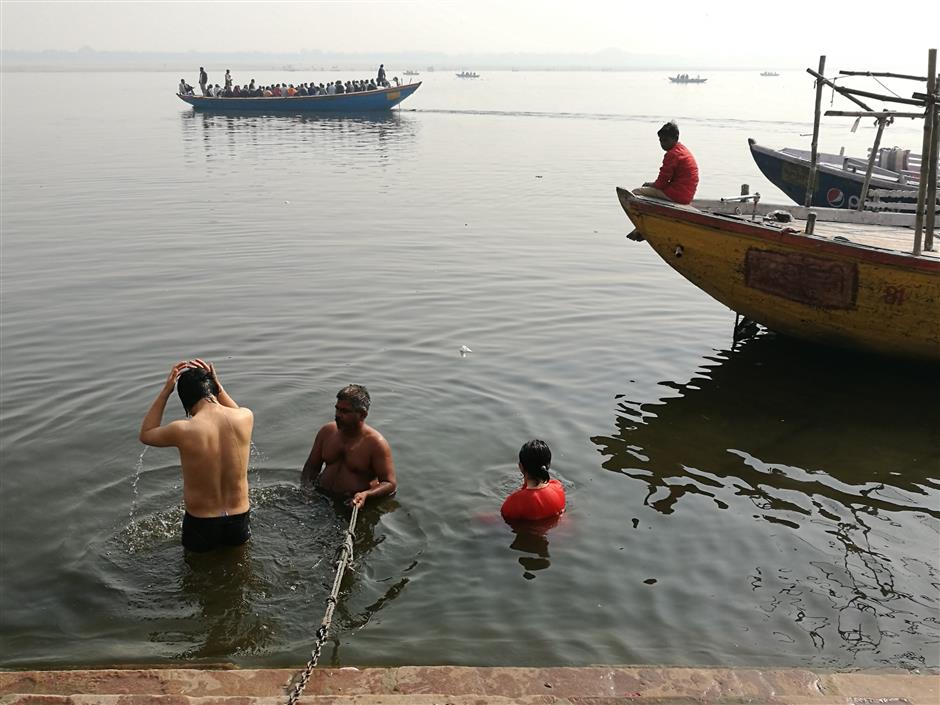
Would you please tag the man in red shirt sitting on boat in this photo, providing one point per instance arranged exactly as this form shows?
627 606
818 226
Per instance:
678 176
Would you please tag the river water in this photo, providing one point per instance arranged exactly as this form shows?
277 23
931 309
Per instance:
761 504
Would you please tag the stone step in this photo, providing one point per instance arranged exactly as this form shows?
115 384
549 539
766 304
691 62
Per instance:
428 700
466 685
142 699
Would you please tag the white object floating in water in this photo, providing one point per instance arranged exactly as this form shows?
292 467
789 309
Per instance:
464 350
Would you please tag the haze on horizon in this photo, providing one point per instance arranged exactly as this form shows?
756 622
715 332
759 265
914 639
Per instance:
716 34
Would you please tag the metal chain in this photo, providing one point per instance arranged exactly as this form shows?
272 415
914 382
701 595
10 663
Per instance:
346 555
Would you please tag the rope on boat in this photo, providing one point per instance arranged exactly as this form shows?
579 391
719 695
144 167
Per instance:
346 554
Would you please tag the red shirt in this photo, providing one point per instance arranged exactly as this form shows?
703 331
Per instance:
535 504
678 176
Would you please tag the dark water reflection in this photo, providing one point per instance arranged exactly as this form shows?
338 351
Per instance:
531 538
219 591
234 604
751 435
317 137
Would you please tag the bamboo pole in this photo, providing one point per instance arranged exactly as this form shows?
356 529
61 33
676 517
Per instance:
882 121
814 150
883 74
927 152
840 90
872 113
932 179
849 92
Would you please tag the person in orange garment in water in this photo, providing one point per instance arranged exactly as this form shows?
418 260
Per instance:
214 443
357 459
540 497
678 176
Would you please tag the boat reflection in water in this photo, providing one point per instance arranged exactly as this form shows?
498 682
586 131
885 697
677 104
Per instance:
326 137
830 467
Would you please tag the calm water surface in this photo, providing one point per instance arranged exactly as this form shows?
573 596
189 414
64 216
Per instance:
769 504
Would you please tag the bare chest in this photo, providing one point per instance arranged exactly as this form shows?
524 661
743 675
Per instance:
354 455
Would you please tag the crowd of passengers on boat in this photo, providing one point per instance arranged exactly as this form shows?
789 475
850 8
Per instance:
287 90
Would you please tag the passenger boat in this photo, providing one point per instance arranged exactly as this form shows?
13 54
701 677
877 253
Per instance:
769 73
364 101
409 72
468 74
686 78
839 179
853 282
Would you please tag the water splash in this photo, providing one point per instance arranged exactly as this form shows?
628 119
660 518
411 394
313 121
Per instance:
150 532
138 471
255 459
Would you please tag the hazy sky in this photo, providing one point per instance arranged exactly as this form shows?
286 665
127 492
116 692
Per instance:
792 33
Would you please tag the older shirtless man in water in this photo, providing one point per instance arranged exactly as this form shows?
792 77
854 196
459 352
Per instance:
213 444
358 459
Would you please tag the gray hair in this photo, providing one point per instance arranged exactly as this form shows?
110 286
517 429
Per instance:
357 395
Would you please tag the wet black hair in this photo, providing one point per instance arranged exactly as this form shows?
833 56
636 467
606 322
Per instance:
357 396
193 385
535 457
670 129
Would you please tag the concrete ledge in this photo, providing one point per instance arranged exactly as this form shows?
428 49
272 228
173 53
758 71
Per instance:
442 685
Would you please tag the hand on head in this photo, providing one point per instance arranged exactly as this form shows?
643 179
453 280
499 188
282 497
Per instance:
183 365
200 364
176 371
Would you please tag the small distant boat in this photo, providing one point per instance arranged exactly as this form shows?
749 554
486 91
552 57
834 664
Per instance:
769 73
364 101
409 72
468 74
686 78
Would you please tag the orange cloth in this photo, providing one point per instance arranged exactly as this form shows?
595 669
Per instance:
535 504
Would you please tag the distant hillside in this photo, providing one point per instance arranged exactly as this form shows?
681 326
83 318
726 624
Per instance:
88 59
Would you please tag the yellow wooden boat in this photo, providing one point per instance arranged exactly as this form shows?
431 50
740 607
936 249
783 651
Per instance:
848 284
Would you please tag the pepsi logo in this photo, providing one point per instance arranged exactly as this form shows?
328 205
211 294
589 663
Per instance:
835 197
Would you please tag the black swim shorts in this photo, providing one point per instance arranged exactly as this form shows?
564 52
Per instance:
206 533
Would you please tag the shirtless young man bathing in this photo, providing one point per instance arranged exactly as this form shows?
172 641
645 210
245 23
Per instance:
213 444
358 459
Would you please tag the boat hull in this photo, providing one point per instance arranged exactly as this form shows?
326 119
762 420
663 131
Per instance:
835 187
367 101
797 284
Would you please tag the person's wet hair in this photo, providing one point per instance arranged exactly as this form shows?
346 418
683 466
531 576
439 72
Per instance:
193 385
535 457
357 395
670 129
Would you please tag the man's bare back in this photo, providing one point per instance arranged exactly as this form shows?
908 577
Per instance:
214 444
349 458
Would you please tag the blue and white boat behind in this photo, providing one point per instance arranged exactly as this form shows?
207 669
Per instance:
364 101
839 179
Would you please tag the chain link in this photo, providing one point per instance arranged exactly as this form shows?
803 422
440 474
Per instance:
346 556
